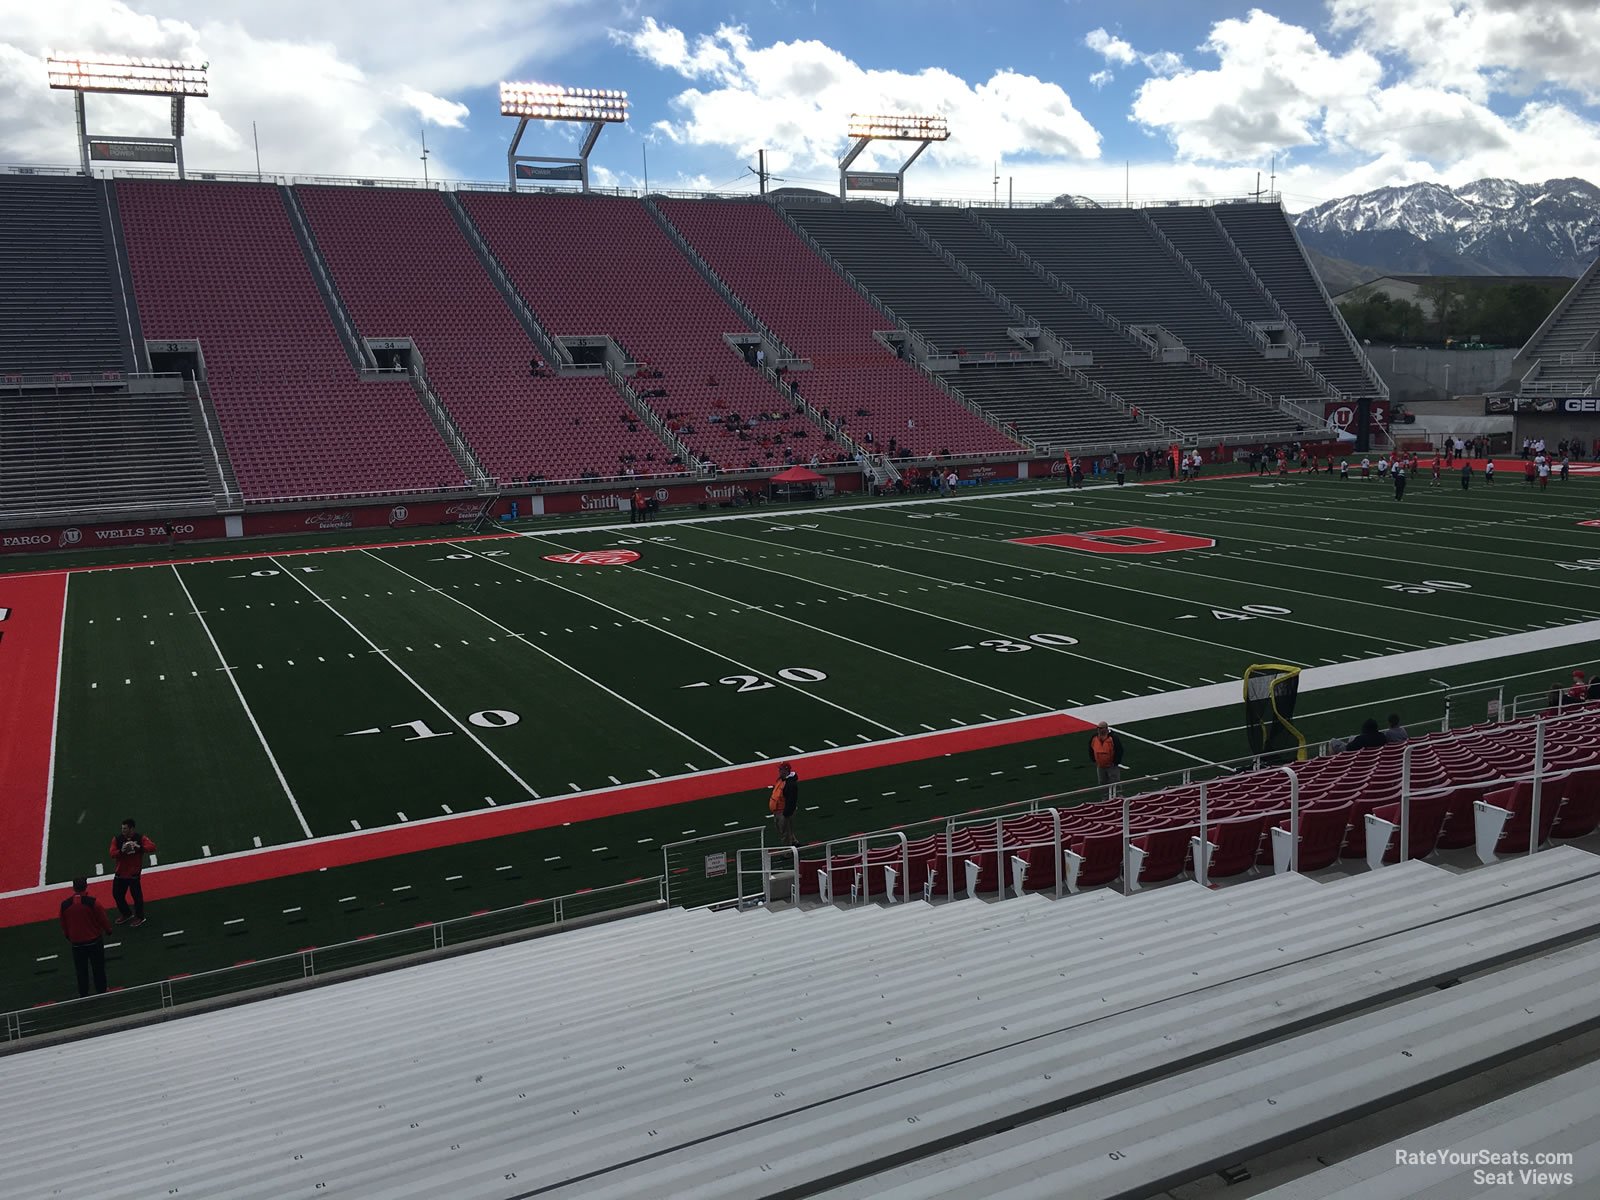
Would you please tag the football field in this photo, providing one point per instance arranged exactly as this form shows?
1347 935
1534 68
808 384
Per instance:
340 742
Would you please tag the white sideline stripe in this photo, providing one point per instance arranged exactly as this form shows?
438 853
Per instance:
1312 679
650 625
559 662
55 724
383 654
233 680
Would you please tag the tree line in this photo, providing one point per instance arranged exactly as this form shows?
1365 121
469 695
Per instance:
1500 314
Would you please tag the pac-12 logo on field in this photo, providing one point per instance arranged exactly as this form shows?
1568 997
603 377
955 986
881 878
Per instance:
1126 539
596 558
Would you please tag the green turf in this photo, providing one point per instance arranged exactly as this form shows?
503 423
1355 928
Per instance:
807 629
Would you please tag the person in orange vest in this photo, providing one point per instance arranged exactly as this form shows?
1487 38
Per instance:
1105 748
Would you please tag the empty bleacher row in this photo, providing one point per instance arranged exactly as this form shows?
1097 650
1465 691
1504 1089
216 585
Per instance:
60 305
1266 239
219 262
819 316
1110 1046
1455 779
68 454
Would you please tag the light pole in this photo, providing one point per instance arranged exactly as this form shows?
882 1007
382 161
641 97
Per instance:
1447 381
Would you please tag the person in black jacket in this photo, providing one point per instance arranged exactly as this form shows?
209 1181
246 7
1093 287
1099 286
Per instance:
1369 737
790 779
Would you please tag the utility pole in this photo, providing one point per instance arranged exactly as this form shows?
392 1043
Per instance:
1256 195
1011 191
997 181
1273 189
761 170
644 153
256 138
424 155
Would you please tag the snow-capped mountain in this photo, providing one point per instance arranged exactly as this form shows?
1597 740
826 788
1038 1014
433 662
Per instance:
1489 227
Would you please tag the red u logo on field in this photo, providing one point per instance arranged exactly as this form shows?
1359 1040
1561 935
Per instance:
1125 539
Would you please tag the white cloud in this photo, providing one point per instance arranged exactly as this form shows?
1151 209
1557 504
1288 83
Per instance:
1101 78
795 98
1117 51
1272 85
335 89
435 110
1408 100
1112 49
1480 47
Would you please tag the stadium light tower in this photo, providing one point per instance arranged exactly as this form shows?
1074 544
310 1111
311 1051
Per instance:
592 107
866 128
118 76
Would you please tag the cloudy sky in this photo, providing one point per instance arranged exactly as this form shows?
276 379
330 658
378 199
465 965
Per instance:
1163 98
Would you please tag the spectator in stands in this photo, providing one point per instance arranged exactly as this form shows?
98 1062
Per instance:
1105 750
1578 693
789 783
1396 731
1370 737
85 924
128 849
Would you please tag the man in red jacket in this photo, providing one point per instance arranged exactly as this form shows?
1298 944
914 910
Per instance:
128 849
85 923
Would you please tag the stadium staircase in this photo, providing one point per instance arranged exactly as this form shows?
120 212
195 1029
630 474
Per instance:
299 420
798 293
1109 1046
1263 234
1562 358
604 266
780 360
388 251
1196 240
1115 258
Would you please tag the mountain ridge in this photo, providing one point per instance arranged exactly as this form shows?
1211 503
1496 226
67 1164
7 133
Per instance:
1487 227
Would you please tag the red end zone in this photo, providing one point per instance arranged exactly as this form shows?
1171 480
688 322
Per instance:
253 866
31 610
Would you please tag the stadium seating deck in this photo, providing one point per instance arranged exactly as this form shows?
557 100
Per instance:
66 455
821 317
734 1054
1176 392
1572 335
60 307
1112 257
219 262
594 265
1268 243
389 252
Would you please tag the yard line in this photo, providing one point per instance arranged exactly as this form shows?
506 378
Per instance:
55 724
1222 518
967 624
234 921
295 909
553 658
842 637
233 680
648 624
1083 578
453 719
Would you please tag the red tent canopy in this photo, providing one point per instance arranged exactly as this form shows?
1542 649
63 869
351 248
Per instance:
797 475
